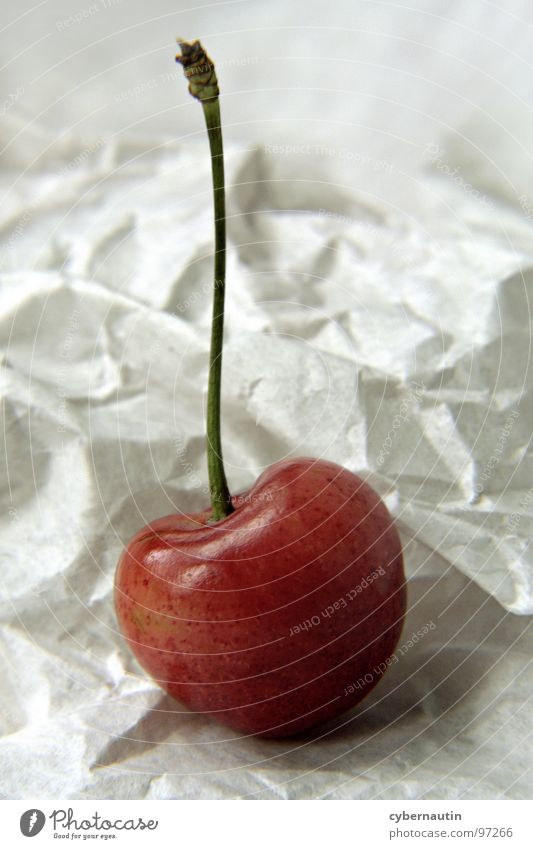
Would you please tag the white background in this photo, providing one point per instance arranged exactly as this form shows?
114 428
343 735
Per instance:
392 225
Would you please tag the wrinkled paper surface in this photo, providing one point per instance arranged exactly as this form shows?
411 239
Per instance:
392 338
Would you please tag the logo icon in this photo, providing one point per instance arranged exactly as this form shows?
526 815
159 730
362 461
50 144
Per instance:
32 822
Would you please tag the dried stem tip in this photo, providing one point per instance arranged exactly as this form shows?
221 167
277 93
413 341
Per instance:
199 70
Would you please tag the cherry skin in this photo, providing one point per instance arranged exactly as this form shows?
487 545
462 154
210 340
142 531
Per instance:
279 616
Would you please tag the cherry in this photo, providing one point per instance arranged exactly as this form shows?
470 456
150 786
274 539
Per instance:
274 609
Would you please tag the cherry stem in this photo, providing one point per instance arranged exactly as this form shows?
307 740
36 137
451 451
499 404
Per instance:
203 85
220 495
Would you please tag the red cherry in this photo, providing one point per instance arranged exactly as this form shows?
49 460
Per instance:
276 609
283 614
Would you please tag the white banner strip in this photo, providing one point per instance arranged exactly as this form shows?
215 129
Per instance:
236 824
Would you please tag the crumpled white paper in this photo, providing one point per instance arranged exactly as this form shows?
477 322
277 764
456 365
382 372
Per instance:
392 337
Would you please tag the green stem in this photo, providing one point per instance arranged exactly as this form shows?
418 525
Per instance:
203 85
220 495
